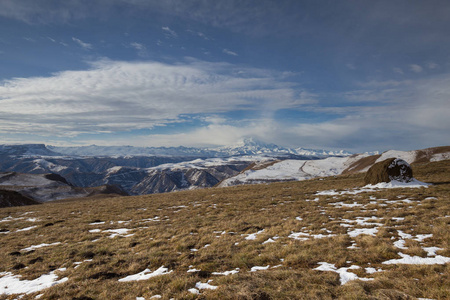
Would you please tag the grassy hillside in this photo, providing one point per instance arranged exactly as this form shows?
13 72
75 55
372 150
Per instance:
273 237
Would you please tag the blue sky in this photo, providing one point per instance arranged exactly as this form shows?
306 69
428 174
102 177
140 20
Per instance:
354 75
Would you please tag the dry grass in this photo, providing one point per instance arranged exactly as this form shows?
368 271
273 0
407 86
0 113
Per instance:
166 227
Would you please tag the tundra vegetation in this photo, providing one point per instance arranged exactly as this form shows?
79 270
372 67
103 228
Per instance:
267 241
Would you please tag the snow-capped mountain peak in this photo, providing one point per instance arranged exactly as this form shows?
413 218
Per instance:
247 146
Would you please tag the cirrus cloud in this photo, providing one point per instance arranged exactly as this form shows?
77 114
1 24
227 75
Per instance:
121 96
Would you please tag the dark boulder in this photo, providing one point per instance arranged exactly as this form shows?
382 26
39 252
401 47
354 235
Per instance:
388 170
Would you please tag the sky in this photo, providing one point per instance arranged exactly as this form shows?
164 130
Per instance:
355 75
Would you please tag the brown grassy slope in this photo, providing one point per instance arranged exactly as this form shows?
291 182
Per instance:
422 156
361 164
167 227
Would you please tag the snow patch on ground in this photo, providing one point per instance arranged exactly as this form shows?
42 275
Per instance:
226 273
194 291
258 268
303 236
373 187
253 235
31 248
358 231
344 275
146 274
205 286
26 229
431 251
114 232
370 270
11 284
342 204
417 260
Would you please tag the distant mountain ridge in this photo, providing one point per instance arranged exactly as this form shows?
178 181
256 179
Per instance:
27 150
247 146
142 170
248 162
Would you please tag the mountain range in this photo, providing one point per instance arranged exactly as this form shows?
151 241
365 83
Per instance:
91 170
247 146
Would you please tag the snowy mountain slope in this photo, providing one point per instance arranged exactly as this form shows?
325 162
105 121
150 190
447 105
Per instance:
408 156
289 170
415 156
140 170
175 176
46 187
26 180
135 175
249 161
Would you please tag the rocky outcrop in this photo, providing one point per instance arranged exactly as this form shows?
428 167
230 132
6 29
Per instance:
388 170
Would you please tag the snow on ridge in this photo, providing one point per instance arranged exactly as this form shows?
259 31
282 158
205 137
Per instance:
408 156
113 170
440 156
209 162
23 179
42 164
288 170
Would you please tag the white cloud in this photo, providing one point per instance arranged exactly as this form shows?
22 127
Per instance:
432 65
407 115
116 96
119 96
198 33
137 46
229 52
141 49
84 45
214 134
415 68
169 32
398 71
